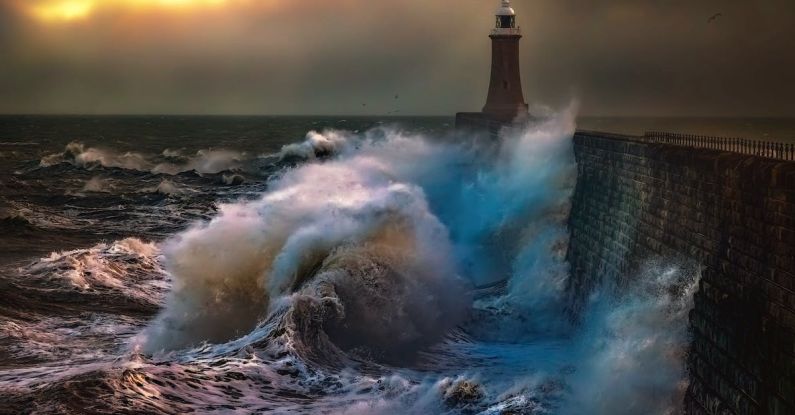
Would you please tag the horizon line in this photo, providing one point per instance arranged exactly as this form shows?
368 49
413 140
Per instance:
66 114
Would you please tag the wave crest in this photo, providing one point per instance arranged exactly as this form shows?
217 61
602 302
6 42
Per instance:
316 224
170 162
316 145
125 274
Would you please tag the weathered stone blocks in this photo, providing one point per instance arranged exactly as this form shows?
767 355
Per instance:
735 215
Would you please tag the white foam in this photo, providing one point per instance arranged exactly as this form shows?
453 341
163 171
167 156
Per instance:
317 144
128 267
227 271
204 161
399 219
98 185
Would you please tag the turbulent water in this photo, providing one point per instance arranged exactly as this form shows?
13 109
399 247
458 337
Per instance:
299 265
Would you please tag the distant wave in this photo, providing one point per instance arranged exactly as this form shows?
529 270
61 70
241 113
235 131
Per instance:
123 274
98 185
14 222
317 145
20 214
165 187
171 162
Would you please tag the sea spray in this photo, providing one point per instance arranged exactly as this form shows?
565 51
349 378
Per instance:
228 271
231 268
436 263
317 145
631 347
170 162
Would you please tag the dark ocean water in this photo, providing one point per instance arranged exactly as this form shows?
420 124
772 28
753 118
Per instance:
113 191
314 265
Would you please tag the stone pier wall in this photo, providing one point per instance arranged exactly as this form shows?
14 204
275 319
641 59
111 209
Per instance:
735 216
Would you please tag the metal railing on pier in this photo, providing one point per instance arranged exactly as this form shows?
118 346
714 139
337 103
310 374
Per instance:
769 149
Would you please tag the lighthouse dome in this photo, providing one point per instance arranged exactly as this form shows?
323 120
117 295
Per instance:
506 9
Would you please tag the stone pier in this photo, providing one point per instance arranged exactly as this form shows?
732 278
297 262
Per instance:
734 214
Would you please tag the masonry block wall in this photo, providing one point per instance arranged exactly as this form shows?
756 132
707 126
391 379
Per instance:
734 215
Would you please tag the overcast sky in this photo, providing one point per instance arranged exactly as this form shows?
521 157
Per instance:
619 57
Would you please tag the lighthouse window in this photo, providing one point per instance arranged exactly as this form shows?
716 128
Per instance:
504 84
506 22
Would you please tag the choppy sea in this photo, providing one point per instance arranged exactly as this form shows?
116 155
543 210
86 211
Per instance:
313 265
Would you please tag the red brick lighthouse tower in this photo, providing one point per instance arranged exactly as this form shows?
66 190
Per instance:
505 102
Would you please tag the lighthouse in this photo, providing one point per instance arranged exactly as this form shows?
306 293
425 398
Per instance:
505 102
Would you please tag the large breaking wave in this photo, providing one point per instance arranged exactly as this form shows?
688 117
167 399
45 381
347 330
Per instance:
390 272
368 235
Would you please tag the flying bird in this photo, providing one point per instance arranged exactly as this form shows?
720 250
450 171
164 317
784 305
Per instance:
714 17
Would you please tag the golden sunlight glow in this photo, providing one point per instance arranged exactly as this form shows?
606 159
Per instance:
62 10
68 10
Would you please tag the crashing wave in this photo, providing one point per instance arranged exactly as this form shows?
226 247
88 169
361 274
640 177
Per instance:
634 340
82 156
170 162
317 145
125 273
347 287
320 230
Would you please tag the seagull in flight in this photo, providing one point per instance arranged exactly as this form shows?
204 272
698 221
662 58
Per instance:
714 17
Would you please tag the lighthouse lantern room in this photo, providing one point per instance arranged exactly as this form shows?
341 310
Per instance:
506 16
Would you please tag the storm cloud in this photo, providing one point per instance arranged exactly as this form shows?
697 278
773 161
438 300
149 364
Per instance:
620 57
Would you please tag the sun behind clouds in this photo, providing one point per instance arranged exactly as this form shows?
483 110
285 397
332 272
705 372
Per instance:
70 10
